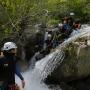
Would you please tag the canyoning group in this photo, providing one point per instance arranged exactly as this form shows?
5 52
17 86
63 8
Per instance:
52 39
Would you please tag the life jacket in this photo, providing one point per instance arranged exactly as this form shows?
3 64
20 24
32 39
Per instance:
7 70
65 28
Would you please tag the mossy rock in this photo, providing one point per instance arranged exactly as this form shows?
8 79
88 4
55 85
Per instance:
74 66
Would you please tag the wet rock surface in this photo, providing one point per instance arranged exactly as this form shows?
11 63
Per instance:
73 73
80 84
73 67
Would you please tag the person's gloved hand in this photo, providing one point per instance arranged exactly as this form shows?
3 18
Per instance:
23 83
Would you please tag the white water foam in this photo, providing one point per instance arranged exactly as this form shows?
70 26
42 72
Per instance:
45 66
33 81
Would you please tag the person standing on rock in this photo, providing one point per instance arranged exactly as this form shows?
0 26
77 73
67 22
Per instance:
8 68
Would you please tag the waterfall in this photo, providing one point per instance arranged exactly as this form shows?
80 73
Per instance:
33 79
45 66
49 64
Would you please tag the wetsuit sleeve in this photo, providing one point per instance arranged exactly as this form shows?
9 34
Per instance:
17 72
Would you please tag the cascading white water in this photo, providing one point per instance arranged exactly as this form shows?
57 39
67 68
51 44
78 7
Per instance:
45 66
48 65
33 79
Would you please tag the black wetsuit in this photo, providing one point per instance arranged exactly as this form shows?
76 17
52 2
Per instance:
7 71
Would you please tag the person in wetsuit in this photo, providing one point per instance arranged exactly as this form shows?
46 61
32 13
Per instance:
8 67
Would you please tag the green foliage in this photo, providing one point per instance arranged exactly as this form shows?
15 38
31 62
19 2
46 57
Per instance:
61 8
53 22
14 12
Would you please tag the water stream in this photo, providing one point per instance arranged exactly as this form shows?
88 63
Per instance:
46 65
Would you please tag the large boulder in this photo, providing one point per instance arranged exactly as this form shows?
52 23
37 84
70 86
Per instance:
76 64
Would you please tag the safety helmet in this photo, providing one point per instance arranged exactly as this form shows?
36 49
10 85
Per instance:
49 35
8 46
72 14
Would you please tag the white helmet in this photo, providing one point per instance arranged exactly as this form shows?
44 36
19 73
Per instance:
49 35
9 45
72 14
